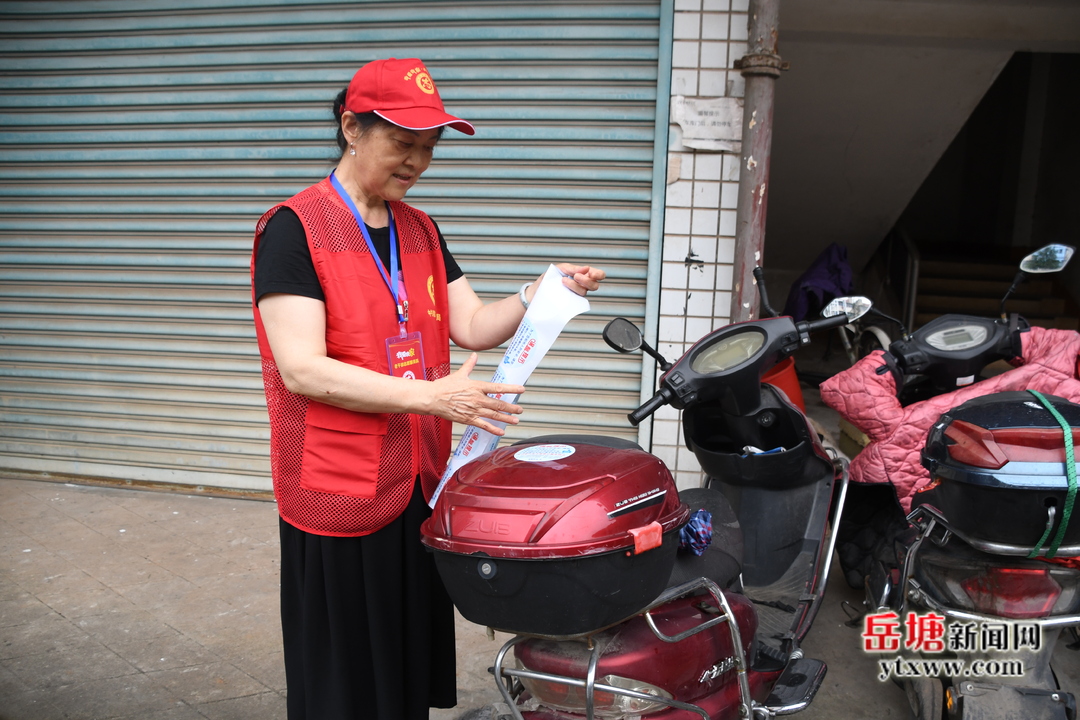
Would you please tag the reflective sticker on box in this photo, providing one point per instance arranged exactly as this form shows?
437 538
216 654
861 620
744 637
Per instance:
544 453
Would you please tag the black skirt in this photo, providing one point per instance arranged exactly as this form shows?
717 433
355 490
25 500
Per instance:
367 625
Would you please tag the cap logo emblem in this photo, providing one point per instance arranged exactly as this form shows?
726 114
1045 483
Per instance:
423 80
425 83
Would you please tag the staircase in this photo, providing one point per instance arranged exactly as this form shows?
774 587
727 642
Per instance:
976 288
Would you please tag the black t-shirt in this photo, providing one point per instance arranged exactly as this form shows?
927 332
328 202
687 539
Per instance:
283 262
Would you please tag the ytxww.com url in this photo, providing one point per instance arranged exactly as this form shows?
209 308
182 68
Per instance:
901 668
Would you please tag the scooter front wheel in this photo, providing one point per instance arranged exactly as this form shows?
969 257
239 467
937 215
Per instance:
872 338
926 696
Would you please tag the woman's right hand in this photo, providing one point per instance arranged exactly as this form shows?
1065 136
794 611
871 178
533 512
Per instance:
459 399
295 328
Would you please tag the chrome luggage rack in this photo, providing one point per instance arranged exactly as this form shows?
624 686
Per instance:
924 514
506 677
928 519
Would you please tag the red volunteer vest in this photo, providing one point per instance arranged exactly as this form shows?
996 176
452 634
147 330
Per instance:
338 472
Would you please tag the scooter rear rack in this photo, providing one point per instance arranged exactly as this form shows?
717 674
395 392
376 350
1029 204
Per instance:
506 676
813 669
929 519
924 513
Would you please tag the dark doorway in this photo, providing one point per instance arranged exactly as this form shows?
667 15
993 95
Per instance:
1009 181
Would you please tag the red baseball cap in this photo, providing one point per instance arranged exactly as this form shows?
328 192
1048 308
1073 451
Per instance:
401 92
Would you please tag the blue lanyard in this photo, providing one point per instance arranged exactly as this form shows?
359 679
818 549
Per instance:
401 302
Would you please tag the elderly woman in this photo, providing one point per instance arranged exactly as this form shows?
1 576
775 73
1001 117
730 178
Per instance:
356 301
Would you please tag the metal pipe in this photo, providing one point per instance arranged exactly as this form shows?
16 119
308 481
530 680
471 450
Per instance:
504 680
590 683
835 525
760 66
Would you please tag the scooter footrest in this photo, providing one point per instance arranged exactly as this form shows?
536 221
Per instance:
797 685
986 700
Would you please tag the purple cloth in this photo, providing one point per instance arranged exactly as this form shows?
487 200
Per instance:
828 277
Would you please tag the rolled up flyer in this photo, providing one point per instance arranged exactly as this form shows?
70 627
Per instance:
552 307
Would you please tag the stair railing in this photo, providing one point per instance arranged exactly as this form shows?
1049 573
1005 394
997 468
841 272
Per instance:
911 278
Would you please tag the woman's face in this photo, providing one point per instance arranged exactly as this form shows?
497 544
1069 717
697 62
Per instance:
390 159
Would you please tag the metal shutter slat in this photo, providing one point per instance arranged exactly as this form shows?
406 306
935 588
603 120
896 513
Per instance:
126 343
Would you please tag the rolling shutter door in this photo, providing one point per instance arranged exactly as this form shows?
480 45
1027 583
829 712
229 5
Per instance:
140 142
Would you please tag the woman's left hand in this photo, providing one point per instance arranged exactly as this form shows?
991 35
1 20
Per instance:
475 326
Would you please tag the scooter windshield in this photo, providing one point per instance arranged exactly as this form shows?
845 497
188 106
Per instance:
728 353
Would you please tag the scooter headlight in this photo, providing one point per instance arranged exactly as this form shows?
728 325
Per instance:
613 706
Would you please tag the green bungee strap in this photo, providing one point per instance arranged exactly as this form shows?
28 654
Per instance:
1070 471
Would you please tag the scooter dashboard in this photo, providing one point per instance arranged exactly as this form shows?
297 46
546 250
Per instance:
964 336
728 352
727 364
951 351
953 340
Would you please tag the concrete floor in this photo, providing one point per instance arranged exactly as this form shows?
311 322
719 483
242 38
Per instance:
140 605
118 603
121 603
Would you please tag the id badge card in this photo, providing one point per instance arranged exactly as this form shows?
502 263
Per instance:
405 355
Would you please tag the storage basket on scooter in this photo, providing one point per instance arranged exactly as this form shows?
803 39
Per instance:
784 453
558 535
997 465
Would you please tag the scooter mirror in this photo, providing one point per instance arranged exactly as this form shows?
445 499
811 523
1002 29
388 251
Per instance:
623 336
854 306
1051 258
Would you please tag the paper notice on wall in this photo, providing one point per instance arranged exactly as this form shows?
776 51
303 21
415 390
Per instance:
552 307
709 124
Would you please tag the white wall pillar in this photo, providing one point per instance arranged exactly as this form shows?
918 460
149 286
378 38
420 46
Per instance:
699 227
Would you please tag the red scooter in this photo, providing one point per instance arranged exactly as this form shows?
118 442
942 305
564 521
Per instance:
968 595
572 543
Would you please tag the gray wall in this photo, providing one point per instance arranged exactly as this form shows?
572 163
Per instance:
876 93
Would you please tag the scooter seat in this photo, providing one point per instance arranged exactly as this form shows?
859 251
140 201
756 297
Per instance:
721 562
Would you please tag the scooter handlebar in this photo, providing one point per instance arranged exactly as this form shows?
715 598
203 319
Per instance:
813 326
657 401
